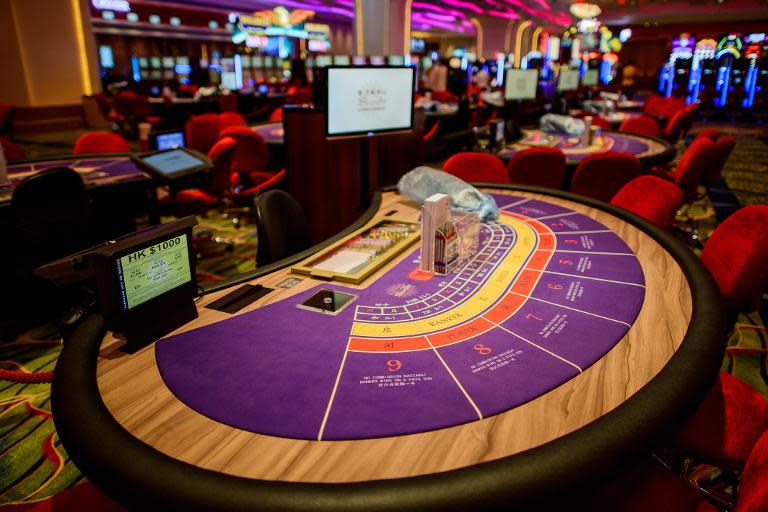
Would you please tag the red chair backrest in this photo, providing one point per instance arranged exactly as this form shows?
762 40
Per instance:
276 115
672 106
692 164
641 125
602 176
252 153
542 167
101 142
140 107
723 149
737 256
676 126
222 154
753 490
122 103
202 132
709 133
11 150
654 105
228 103
601 122
228 119
652 198
482 167
445 97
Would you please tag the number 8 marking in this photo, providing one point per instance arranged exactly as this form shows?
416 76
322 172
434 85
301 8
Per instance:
482 349
394 365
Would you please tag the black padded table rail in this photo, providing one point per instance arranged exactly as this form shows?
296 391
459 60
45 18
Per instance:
139 476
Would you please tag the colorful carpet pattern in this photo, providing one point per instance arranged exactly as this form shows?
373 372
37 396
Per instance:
33 463
746 355
746 172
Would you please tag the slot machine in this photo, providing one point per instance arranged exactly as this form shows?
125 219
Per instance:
728 56
677 72
752 57
702 70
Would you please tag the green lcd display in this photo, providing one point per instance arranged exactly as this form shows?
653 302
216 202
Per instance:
154 270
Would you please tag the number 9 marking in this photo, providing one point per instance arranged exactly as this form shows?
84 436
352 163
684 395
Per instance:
394 365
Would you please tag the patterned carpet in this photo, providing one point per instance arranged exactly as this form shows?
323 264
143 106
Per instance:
746 172
33 463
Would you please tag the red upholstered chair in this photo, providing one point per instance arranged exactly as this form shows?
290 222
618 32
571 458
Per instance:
676 126
101 142
726 426
709 133
692 164
541 167
222 154
654 105
276 115
723 149
444 97
649 487
228 103
737 256
601 122
228 119
481 167
602 176
652 198
641 125
202 132
11 150
141 111
252 152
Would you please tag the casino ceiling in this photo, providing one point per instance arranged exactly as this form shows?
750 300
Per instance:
455 15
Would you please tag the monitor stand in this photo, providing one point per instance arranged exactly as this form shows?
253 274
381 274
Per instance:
161 320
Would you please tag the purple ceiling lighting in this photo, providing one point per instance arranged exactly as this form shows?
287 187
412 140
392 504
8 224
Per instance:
464 5
509 15
440 10
439 17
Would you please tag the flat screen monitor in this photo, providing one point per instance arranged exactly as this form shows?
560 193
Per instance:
170 164
323 61
377 60
257 61
568 80
395 60
155 63
521 84
590 78
146 281
358 60
143 62
369 100
168 62
341 60
168 140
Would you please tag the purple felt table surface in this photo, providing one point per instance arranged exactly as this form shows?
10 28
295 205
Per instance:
612 142
285 371
272 133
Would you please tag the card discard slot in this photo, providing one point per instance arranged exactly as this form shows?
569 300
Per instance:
238 299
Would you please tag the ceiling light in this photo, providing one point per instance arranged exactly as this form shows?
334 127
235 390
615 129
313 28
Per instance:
585 10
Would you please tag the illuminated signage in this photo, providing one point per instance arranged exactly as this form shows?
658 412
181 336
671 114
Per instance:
276 23
112 5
